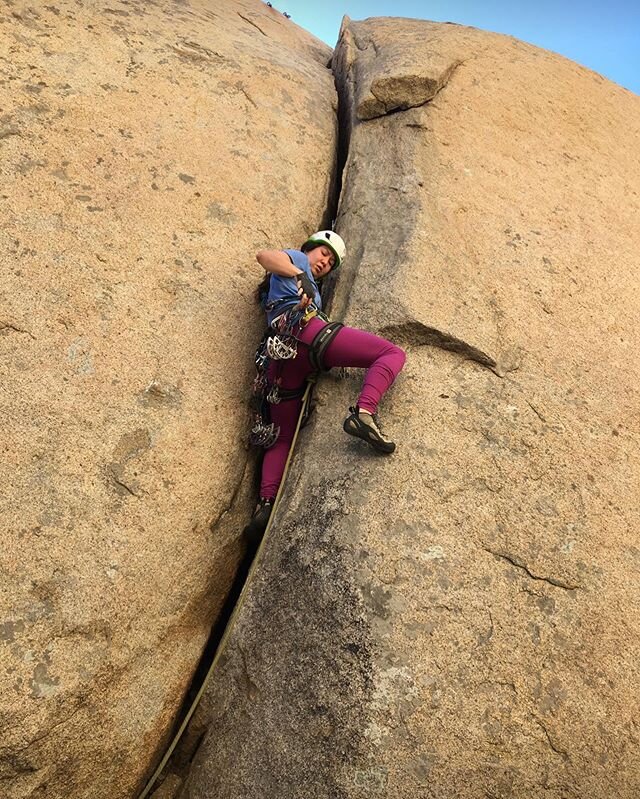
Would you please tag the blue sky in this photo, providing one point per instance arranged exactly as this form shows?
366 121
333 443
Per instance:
603 35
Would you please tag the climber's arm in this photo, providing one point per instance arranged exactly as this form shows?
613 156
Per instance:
277 262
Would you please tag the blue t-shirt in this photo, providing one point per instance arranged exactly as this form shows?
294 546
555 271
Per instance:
283 291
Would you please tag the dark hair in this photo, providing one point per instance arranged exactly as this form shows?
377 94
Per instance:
263 288
312 245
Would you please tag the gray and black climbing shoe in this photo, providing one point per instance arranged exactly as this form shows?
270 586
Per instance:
367 427
254 531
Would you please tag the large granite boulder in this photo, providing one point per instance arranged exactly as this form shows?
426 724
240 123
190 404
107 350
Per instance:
460 619
148 149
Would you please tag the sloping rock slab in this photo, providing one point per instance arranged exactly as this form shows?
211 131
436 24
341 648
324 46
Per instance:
148 149
460 619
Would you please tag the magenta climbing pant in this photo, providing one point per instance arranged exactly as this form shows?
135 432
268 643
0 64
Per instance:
350 347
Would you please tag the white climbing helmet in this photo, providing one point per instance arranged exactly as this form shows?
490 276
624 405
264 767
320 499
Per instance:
331 240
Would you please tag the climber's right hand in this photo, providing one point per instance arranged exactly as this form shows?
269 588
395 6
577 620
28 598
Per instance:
306 289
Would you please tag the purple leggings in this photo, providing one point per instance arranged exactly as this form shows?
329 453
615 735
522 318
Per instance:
350 347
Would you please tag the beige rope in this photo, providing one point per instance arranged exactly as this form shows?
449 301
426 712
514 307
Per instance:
236 610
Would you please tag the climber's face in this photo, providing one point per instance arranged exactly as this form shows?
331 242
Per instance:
321 260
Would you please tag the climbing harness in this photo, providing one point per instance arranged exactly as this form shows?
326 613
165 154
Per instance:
279 343
241 599
320 343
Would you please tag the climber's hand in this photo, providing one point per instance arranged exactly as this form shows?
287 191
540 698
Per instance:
306 289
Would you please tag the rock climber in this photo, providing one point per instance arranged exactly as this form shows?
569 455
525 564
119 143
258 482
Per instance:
299 342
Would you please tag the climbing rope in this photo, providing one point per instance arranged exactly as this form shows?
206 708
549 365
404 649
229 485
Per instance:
225 636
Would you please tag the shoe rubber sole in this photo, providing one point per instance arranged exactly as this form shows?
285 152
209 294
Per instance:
254 530
363 431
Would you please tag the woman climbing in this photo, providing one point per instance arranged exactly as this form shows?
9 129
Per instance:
300 341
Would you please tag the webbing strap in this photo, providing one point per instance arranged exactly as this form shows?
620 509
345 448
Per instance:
290 393
319 345
235 612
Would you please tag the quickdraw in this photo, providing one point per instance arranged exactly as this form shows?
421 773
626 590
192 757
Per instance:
263 435
281 347
273 397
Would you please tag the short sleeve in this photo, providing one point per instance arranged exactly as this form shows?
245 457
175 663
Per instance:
298 259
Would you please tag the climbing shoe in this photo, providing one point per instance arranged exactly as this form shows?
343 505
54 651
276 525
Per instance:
254 531
367 427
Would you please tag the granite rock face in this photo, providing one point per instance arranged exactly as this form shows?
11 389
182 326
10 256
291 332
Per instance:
461 618
148 150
